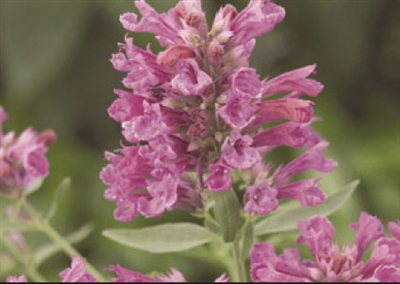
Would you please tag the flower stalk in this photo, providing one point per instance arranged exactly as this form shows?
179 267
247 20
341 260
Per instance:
44 226
239 274
30 269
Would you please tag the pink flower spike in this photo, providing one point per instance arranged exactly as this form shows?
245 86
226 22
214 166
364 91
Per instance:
77 272
260 199
21 278
22 159
293 81
330 264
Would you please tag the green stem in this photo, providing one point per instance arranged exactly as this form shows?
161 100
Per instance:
44 226
238 262
31 271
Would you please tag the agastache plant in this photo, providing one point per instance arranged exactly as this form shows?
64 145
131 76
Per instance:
196 116
198 124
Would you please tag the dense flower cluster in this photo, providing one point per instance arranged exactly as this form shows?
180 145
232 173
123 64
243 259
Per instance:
77 273
331 264
194 114
22 159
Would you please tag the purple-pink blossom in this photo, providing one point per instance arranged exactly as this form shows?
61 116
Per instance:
22 158
197 109
13 278
77 272
126 275
330 263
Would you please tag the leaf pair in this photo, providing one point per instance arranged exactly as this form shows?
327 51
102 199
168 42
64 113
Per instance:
174 237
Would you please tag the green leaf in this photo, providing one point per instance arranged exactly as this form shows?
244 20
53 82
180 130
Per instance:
211 225
62 187
47 251
287 219
169 237
34 186
227 212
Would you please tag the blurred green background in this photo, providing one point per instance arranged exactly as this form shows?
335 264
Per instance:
55 73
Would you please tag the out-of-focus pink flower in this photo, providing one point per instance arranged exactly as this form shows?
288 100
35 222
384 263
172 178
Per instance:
126 275
22 159
77 272
330 264
394 228
12 278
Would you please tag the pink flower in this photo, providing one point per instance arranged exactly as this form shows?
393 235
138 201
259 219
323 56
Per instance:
238 111
197 109
330 264
311 159
305 191
238 153
170 56
394 228
296 110
166 26
259 17
290 134
22 159
260 199
133 171
219 179
295 81
126 275
77 272
245 81
190 80
21 278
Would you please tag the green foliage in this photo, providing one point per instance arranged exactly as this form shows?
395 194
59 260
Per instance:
285 218
169 237
227 212
55 74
